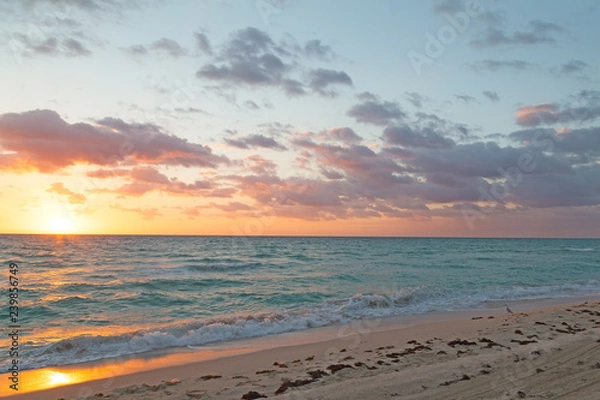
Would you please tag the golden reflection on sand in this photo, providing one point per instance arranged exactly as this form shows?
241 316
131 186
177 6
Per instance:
46 378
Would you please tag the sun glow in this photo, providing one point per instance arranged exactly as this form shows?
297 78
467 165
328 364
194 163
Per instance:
60 224
58 378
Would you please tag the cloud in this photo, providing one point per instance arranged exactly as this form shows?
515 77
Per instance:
376 112
539 33
161 46
73 198
145 213
169 47
584 141
465 99
495 65
448 6
415 99
259 165
570 68
416 171
550 114
145 179
560 190
55 28
48 46
492 96
202 43
314 49
251 58
41 140
321 79
407 137
344 134
254 141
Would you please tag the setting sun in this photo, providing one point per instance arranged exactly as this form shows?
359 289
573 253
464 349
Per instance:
60 224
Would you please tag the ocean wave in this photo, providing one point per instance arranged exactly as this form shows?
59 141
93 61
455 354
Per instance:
580 249
406 301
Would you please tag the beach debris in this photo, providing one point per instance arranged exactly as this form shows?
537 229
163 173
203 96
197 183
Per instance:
460 342
251 395
462 378
347 358
412 342
518 331
209 377
523 342
309 358
540 323
288 384
343 350
521 394
173 381
475 318
239 377
539 370
264 371
596 366
408 350
296 361
490 343
317 374
337 367
195 394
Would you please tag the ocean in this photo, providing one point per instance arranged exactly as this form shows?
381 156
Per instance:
84 298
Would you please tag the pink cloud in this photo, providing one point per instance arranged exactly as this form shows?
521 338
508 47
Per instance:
41 140
538 114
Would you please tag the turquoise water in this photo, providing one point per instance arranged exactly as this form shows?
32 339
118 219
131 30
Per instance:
91 297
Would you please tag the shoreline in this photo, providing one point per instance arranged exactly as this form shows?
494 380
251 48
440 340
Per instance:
245 357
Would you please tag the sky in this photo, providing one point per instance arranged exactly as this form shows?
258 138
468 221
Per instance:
476 118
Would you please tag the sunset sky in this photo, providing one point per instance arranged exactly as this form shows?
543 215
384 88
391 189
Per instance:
300 117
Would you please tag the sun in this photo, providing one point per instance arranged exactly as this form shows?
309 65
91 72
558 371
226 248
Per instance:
60 224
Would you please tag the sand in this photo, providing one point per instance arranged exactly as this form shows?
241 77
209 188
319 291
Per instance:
543 353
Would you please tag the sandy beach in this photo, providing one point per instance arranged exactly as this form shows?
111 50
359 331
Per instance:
540 353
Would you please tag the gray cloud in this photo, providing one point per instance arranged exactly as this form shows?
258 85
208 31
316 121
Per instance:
492 96
202 43
415 99
253 141
495 65
374 111
169 47
314 48
252 58
159 47
321 79
539 33
570 68
407 137
464 98
49 46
